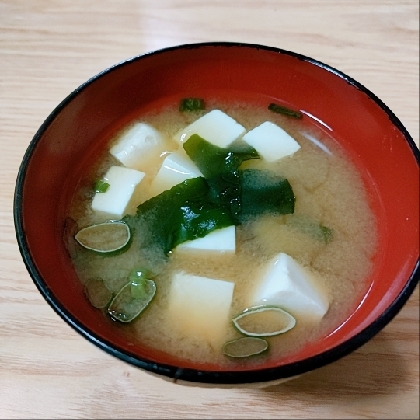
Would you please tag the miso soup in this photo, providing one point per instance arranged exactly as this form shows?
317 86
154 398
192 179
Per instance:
243 242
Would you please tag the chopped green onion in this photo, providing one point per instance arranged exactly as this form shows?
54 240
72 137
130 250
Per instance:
311 227
140 274
138 280
105 238
284 110
191 104
264 321
101 186
138 289
131 300
245 347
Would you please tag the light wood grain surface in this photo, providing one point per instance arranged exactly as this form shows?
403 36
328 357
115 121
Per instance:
47 49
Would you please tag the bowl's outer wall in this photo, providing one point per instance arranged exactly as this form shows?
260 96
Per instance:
372 136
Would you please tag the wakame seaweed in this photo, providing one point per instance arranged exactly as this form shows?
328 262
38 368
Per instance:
185 212
224 196
220 167
264 192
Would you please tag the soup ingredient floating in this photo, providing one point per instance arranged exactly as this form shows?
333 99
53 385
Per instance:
220 167
121 183
279 109
133 298
216 127
191 104
200 306
176 168
105 237
264 321
101 186
245 347
264 192
185 212
271 141
137 145
221 241
310 227
287 284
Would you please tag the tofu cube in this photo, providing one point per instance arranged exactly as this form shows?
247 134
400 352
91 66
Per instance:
176 168
200 306
122 182
220 240
216 127
271 142
287 284
138 144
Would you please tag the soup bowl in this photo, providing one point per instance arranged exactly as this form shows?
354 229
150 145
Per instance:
366 129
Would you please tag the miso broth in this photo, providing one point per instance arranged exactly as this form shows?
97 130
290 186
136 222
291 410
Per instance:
328 190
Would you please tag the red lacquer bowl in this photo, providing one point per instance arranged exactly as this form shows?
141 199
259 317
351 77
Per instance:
366 128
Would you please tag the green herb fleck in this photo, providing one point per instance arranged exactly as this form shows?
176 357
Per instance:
140 274
284 110
191 104
310 227
101 186
326 233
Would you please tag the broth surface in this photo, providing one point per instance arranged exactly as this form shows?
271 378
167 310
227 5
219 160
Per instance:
328 189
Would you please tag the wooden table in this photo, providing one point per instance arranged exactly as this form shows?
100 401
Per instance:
47 49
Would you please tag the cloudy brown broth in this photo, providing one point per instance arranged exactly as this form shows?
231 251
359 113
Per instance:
328 189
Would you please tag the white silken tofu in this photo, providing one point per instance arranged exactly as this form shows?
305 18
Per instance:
200 306
271 142
176 168
216 127
220 240
287 284
122 183
137 145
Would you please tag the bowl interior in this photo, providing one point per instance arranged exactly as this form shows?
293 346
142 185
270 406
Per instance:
75 134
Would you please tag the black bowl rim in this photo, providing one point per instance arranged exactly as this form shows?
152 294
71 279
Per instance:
264 375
